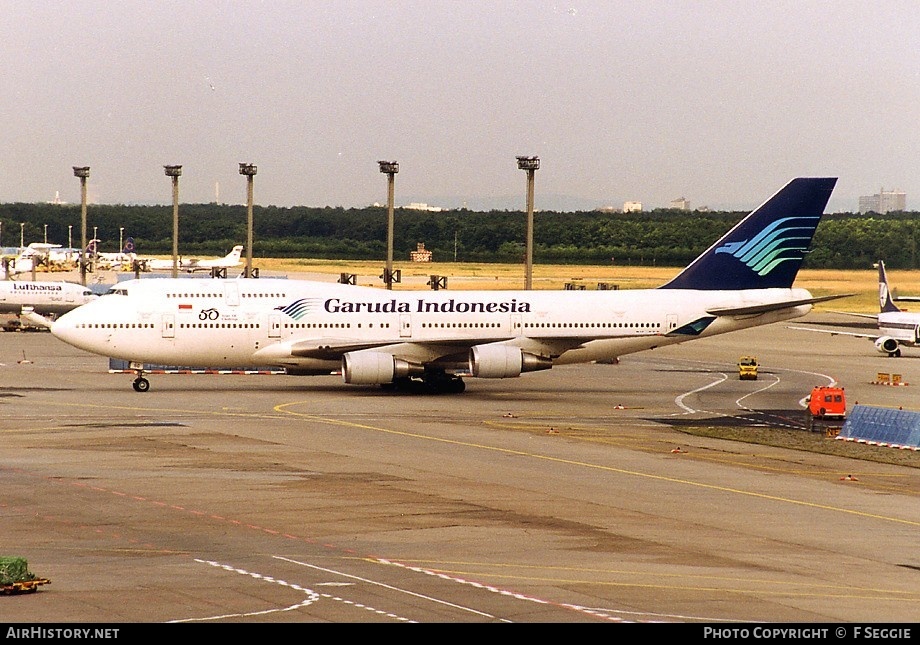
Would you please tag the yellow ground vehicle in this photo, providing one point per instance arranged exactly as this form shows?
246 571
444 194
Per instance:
747 368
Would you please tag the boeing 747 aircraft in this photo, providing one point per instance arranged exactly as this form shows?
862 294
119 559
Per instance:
430 341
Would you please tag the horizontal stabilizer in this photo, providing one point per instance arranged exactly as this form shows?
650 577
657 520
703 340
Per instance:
858 315
773 306
834 332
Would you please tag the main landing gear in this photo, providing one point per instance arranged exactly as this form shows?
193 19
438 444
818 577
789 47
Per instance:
430 383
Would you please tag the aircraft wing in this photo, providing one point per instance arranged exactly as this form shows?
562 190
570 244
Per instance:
908 298
773 306
427 351
834 332
36 319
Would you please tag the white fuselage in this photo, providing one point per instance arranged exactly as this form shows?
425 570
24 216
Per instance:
44 297
903 326
310 325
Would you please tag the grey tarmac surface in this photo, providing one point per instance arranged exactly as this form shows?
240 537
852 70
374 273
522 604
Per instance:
565 496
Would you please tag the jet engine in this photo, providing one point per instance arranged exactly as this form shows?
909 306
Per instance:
886 345
371 368
504 361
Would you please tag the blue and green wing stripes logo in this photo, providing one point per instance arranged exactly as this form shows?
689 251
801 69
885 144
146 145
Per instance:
301 308
779 242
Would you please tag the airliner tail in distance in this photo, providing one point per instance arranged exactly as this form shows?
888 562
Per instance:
431 341
896 327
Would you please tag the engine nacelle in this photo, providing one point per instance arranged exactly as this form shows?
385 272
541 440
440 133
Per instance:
370 368
886 344
504 361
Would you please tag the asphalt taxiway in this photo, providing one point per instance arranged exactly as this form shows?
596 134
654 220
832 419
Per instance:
563 496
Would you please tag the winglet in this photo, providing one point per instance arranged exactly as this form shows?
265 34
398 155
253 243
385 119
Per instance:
766 249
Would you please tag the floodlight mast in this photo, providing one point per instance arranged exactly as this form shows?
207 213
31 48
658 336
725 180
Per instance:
530 165
389 168
249 171
82 172
175 172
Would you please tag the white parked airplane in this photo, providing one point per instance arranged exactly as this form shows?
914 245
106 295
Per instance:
31 256
45 298
430 340
232 259
896 327
112 260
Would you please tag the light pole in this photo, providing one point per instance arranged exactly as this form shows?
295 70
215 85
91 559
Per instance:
175 172
22 236
531 165
249 171
95 243
69 237
121 244
46 233
82 173
389 168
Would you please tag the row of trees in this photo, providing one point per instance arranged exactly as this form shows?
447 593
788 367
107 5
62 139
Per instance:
661 237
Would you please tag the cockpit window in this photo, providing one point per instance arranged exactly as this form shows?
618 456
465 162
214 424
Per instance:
117 291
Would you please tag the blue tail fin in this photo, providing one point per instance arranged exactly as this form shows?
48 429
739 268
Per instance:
129 246
885 303
764 250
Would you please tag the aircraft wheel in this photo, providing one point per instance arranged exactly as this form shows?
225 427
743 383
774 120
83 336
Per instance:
141 384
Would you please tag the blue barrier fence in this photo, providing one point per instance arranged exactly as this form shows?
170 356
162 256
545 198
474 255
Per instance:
882 426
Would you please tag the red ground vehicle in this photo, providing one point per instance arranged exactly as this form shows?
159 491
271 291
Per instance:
826 406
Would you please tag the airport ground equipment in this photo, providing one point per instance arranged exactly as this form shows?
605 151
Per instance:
15 576
747 368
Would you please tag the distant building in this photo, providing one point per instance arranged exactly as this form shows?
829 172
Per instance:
422 206
632 207
681 204
883 202
421 254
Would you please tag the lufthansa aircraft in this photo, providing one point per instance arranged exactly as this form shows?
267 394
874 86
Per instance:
429 341
42 297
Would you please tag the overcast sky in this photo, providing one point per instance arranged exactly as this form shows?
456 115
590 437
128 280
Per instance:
720 102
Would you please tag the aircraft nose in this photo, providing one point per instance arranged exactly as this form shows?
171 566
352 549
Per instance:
64 328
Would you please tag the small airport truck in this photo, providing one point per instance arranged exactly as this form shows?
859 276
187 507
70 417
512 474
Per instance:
827 406
747 368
